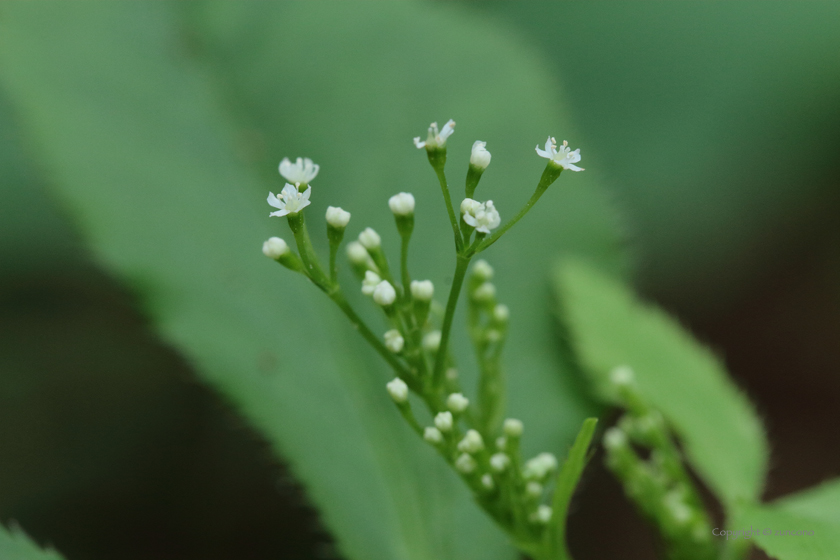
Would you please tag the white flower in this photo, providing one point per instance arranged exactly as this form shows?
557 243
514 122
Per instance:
538 467
436 139
465 464
542 515
472 442
534 489
274 248
614 438
384 293
370 282
487 481
563 157
483 216
622 376
357 253
370 239
480 157
422 290
484 293
398 390
513 427
501 313
499 462
402 204
432 435
337 217
394 341
482 269
431 341
444 421
290 200
301 171
456 402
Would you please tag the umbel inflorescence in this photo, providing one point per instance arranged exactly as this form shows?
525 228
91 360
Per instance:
471 436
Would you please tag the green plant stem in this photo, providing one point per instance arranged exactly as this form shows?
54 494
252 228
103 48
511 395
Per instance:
307 252
459 243
461 264
406 279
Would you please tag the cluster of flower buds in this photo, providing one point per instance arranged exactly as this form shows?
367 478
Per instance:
472 437
659 485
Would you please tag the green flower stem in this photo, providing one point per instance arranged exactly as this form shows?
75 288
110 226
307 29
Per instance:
307 252
437 164
335 235
549 175
406 279
462 262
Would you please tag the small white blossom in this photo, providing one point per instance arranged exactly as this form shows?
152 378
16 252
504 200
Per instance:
465 464
622 376
337 217
487 481
422 290
538 467
501 313
480 157
394 341
370 239
431 341
483 216
482 269
563 156
370 282
301 171
402 204
384 293
274 248
444 421
513 427
484 293
289 201
436 139
357 253
614 438
534 489
456 402
432 435
472 442
542 515
398 390
499 462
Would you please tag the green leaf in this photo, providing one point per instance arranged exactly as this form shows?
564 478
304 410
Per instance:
16 545
160 126
609 327
567 481
804 526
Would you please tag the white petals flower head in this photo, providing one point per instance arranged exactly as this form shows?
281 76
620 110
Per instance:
337 217
456 402
394 341
499 462
444 421
398 390
436 138
370 239
301 171
432 435
480 157
422 290
371 281
472 442
563 156
384 293
357 253
465 463
513 427
289 201
431 341
274 248
483 216
482 269
402 204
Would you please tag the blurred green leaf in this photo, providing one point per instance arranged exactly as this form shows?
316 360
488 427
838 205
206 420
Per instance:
160 126
610 327
803 526
16 545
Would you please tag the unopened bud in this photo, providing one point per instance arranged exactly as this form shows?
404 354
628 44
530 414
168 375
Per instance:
371 281
472 442
398 390
431 341
394 341
480 157
337 218
484 293
422 290
499 462
384 293
370 239
432 435
275 247
482 270
465 463
456 402
444 421
357 253
513 427
402 204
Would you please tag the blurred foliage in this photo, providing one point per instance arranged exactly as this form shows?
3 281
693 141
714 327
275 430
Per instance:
15 545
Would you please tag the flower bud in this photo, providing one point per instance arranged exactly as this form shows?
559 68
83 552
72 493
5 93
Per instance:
452 374
501 313
444 421
542 515
472 442
534 489
371 281
274 248
614 438
456 402
539 467
499 462
432 435
482 270
394 341
384 293
398 390
402 204
622 376
513 427
337 218
431 341
357 253
470 206
480 157
465 464
487 481
422 290
370 239
484 293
